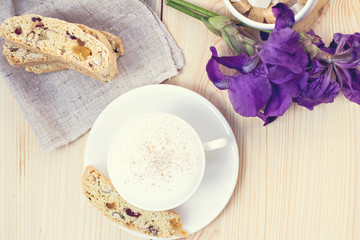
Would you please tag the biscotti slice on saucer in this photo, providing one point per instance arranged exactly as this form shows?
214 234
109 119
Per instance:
102 195
63 42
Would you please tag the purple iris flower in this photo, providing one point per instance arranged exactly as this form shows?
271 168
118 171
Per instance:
346 64
285 61
289 67
267 82
249 90
321 86
284 16
337 69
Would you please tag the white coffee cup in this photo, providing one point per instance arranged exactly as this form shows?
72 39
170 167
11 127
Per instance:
157 161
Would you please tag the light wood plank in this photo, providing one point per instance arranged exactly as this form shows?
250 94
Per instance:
299 176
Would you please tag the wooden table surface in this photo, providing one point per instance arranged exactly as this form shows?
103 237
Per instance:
299 177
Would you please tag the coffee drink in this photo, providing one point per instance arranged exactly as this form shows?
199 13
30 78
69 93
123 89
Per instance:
156 160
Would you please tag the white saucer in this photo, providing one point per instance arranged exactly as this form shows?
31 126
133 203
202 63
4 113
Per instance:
222 165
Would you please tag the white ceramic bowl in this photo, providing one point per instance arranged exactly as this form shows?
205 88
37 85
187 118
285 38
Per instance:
265 26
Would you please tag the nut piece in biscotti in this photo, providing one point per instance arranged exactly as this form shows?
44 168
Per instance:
63 42
102 195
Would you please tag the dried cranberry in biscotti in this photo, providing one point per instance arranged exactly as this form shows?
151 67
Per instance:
34 19
39 25
153 230
14 49
71 36
18 31
131 213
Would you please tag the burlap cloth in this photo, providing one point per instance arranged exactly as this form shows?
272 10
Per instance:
62 106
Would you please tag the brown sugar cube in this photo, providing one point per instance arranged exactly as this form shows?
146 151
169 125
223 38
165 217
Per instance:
302 1
257 14
289 3
269 16
242 6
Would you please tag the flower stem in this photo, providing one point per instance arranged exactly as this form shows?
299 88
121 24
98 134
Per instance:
184 10
191 7
198 12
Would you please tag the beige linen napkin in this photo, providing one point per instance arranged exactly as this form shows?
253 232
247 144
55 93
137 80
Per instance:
62 106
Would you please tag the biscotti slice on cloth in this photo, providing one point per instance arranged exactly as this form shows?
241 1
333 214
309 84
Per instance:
116 46
18 56
102 195
96 34
21 57
40 64
61 41
59 66
45 68
115 42
54 67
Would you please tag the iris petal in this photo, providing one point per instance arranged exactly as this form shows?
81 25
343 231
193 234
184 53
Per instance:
284 16
279 102
351 84
321 87
215 75
284 49
242 62
248 93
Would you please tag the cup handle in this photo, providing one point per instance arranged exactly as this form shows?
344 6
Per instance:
216 144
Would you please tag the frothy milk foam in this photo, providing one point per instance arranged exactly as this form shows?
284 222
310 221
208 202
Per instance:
157 159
